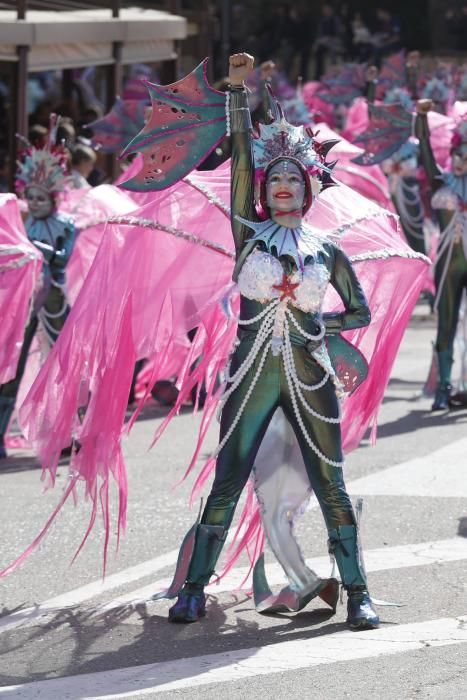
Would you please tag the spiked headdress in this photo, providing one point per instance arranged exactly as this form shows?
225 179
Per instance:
279 140
43 167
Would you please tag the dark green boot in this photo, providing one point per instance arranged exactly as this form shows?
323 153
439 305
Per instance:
343 544
444 388
190 605
7 406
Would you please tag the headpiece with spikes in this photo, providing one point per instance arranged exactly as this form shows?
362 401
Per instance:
280 139
43 167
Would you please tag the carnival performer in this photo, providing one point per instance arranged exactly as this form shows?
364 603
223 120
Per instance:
388 141
282 270
166 269
41 177
450 203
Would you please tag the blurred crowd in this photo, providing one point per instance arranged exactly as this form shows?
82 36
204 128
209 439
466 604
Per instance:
84 104
302 40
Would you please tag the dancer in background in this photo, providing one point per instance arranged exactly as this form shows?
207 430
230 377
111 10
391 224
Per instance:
450 204
41 177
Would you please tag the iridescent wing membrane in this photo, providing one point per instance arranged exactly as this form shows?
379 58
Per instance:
389 128
187 122
112 132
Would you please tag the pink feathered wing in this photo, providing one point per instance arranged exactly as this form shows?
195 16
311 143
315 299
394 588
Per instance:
148 274
20 269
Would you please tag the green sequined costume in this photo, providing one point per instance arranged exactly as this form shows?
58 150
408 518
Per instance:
271 390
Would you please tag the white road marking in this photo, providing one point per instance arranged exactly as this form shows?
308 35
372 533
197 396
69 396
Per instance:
381 559
441 474
225 667
436 475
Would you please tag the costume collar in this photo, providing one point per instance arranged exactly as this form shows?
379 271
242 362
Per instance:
46 230
298 243
456 184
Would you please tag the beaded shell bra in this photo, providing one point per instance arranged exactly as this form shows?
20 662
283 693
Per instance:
262 273
261 276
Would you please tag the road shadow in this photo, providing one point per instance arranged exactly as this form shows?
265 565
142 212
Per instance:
231 626
13 464
421 419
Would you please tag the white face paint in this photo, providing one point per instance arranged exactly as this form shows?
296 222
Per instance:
40 203
459 163
285 187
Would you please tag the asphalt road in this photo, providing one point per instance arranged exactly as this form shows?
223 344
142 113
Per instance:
66 634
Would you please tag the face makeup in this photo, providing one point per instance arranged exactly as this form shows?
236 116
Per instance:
40 203
285 187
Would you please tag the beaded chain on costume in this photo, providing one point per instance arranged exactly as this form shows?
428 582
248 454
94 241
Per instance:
262 278
452 197
27 256
156 226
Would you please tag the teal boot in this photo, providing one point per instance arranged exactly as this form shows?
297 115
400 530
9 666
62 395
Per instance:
343 544
191 601
7 406
444 388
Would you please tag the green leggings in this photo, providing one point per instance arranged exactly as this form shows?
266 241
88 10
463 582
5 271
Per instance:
454 283
235 460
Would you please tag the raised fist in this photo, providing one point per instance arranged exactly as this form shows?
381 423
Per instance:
413 59
266 70
240 66
423 106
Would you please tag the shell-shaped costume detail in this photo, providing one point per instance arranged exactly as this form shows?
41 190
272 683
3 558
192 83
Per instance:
262 273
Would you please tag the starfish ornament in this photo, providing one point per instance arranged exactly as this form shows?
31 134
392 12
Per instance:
286 288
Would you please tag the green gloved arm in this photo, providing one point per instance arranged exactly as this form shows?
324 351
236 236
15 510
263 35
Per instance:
344 280
242 170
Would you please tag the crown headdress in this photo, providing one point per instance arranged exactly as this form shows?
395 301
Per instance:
283 140
43 167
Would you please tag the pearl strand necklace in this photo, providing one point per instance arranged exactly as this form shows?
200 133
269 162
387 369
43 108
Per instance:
292 381
241 372
300 422
244 402
308 336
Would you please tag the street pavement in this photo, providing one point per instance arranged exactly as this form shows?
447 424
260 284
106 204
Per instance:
67 634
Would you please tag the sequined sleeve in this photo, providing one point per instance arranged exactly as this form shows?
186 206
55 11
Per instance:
242 172
422 132
356 312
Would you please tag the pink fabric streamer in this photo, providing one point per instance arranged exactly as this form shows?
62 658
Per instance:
20 269
90 209
369 181
146 288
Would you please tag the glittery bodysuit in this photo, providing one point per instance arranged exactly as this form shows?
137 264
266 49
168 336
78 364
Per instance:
280 362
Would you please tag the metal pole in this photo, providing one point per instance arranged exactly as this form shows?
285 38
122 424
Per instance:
19 104
22 7
116 7
225 33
